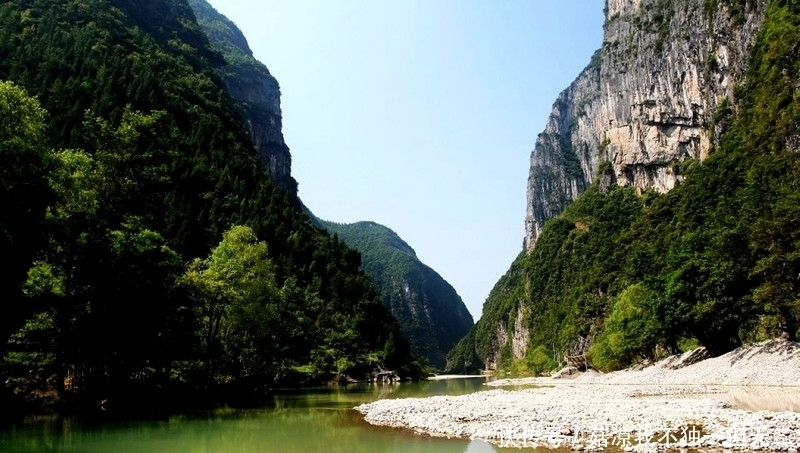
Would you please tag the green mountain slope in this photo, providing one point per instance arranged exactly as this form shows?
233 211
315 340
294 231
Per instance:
715 261
431 314
146 165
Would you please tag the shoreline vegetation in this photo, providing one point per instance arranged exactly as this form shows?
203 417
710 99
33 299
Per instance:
747 399
151 260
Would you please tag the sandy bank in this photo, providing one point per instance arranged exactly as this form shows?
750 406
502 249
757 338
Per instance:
667 405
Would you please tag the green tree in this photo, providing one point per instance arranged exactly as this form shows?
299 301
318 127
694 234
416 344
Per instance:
631 331
237 298
24 195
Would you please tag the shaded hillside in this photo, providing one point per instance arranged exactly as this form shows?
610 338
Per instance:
147 167
431 314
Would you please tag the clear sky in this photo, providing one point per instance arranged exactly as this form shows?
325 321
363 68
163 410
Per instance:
421 114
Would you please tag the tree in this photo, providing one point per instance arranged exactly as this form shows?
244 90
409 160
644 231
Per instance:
237 301
24 194
632 330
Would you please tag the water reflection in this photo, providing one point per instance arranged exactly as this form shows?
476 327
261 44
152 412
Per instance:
764 398
312 420
479 446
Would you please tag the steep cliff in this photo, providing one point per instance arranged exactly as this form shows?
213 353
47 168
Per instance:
255 90
431 314
645 103
662 195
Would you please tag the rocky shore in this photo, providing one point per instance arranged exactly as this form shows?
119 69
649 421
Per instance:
747 399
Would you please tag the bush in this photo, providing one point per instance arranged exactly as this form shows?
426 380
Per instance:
539 361
630 330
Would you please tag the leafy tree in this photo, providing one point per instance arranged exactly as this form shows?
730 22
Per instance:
631 331
237 299
24 194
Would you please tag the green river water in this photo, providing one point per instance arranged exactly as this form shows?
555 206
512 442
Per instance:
317 420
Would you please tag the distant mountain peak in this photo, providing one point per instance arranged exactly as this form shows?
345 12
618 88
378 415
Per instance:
431 314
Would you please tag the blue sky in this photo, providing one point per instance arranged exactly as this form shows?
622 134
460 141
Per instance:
421 115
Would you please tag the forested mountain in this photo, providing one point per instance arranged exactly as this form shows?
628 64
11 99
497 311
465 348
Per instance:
684 230
431 314
149 255
256 92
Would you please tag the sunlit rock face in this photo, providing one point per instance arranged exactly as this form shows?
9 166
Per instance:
645 103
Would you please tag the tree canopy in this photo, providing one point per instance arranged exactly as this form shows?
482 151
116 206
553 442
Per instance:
124 160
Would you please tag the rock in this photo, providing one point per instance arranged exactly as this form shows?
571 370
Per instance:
644 102
568 371
254 89
629 401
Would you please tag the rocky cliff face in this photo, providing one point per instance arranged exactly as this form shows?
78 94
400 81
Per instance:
255 90
645 103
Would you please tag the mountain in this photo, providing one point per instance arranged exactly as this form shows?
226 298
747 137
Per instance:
431 314
645 102
152 258
255 90
661 196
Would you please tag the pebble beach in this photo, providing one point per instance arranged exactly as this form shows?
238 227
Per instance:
748 400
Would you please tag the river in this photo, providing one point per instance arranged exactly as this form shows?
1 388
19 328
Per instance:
313 420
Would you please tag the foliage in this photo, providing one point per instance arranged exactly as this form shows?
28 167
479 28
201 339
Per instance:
570 275
631 330
235 294
431 314
24 195
538 361
139 166
713 262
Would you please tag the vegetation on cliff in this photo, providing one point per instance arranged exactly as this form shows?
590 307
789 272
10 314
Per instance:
431 314
254 90
148 253
715 261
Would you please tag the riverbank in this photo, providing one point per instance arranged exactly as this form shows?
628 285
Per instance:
674 403
444 377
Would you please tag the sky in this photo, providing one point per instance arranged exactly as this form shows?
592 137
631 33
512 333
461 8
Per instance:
421 114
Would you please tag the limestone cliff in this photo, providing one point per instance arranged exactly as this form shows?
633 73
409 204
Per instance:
645 103
255 90
661 90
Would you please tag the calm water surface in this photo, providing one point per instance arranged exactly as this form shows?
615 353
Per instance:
319 420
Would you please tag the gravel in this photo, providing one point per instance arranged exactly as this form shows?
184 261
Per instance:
675 403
